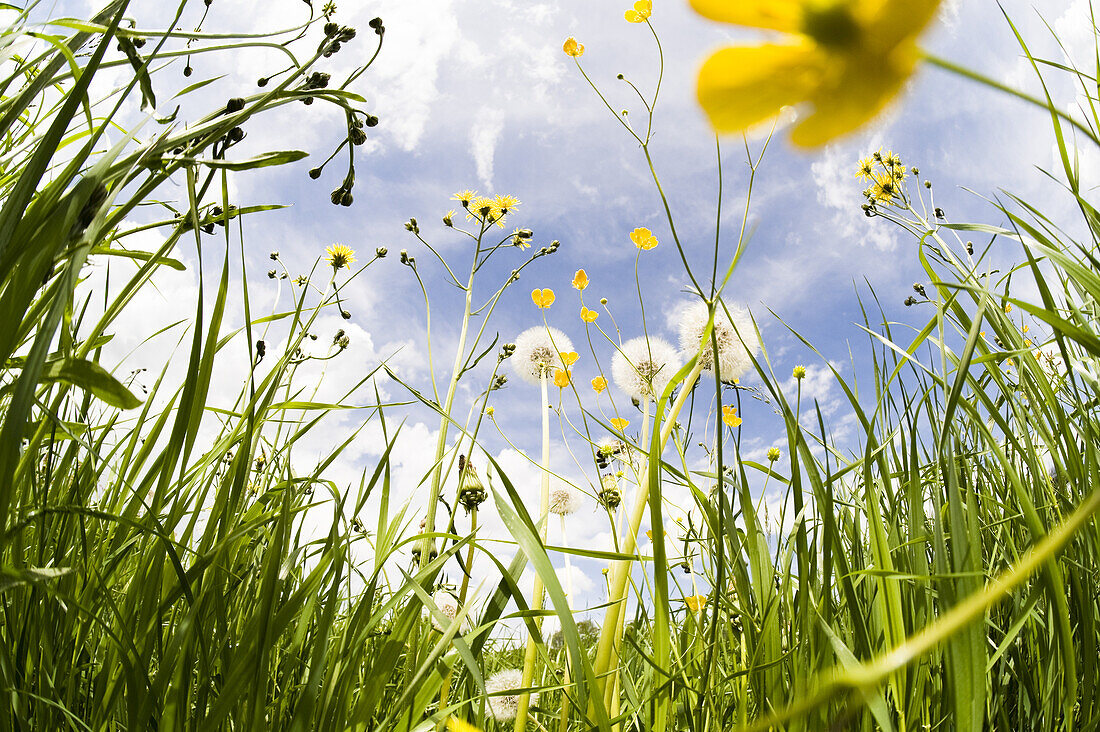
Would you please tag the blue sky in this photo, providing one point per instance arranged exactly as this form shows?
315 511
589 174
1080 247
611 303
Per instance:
479 95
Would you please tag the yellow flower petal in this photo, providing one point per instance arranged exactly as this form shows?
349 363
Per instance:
543 299
599 384
619 423
580 279
742 86
780 15
587 315
572 48
641 12
695 603
729 416
569 358
561 378
643 238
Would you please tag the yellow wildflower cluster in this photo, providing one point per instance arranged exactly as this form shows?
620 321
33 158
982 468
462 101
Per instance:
486 209
884 171
339 256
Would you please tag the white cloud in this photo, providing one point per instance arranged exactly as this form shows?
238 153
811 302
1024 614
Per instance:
484 135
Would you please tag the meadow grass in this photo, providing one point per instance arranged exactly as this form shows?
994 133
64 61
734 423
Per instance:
161 560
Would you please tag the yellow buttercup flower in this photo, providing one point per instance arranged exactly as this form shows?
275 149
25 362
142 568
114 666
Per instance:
572 48
695 603
599 384
618 422
561 378
588 316
543 298
569 358
641 12
773 454
729 416
580 280
643 238
843 59
339 256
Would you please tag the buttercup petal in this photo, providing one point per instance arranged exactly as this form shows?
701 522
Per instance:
779 15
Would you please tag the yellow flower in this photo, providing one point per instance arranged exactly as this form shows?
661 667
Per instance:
773 454
464 197
543 298
884 187
587 315
729 416
799 372
569 358
866 168
580 280
649 534
523 242
1008 308
458 725
643 238
641 12
561 378
695 603
490 411
599 384
618 422
340 256
479 208
504 203
1026 328
845 59
572 48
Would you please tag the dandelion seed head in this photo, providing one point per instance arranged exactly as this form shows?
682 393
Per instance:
564 500
735 334
504 707
447 604
537 352
643 367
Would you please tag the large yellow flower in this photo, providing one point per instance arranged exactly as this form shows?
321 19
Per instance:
843 59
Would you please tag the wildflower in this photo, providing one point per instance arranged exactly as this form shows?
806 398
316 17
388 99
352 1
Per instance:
503 707
773 454
588 316
845 60
490 411
572 48
481 209
1008 308
543 298
734 331
569 357
503 204
610 496
865 169
883 187
471 491
729 416
641 12
799 372
599 384
447 604
644 366
580 280
561 378
1025 329
521 238
619 423
464 197
695 603
643 238
340 256
448 218
564 500
537 350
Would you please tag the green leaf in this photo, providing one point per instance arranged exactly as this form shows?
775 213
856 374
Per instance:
93 378
278 157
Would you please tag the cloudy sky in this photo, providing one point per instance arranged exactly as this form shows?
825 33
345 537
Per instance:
479 95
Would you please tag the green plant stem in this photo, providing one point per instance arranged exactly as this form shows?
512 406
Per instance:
539 588
445 690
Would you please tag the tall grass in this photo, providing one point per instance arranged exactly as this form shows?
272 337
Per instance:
161 563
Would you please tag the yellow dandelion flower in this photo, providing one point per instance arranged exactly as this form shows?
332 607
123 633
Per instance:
729 416
599 384
884 187
561 378
521 239
618 422
588 316
339 256
504 203
641 12
569 358
643 238
799 372
695 603
572 48
843 60
465 197
865 169
543 298
580 280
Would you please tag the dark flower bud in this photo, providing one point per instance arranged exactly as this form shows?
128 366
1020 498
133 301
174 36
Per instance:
274 256
919 289
525 233
331 29
208 228
970 247
372 121
337 196
262 81
187 70
910 301
261 349
271 274
381 252
356 136
940 214
314 173
380 30
307 101
346 34
236 104
375 23
139 42
235 135
345 315
346 199
928 184
333 47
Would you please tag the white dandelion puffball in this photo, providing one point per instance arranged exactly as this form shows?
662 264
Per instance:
644 366
564 499
504 707
448 605
735 333
537 352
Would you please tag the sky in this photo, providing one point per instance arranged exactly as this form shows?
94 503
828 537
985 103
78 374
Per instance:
479 95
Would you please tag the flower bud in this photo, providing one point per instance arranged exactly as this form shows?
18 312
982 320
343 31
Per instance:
314 173
236 104
381 252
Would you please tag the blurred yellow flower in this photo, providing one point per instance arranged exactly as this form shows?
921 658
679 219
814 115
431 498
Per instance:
339 256
618 422
599 384
845 59
773 454
458 725
729 416
695 603
569 358
587 315
561 378
1008 308
643 238
490 411
572 48
543 298
580 280
1026 328
641 12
